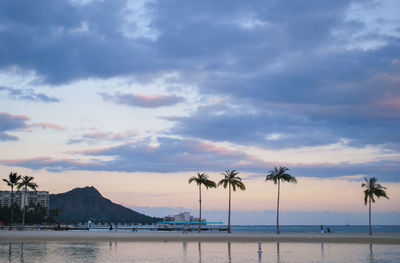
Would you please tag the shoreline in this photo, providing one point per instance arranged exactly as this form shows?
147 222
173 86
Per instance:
97 236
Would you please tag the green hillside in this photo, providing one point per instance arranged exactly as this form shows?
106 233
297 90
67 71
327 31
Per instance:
83 204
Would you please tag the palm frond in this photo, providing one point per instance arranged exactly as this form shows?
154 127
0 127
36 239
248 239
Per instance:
7 182
202 178
366 195
27 181
373 189
280 175
209 184
241 186
230 177
381 193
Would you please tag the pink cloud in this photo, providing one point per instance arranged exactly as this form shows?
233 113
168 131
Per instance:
46 125
392 103
140 100
99 136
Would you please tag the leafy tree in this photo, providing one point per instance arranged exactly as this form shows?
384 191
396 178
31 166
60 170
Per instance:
278 175
27 182
53 215
232 181
13 180
202 179
372 189
35 214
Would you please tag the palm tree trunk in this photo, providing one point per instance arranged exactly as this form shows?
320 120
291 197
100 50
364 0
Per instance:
229 213
23 215
369 216
200 208
277 208
11 206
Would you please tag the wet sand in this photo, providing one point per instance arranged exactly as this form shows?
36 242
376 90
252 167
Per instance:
377 238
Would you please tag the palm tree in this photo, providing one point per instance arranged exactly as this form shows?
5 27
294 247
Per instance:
278 175
372 189
27 182
232 180
13 180
202 179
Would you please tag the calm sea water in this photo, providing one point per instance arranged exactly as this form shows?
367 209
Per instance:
316 229
210 252
304 229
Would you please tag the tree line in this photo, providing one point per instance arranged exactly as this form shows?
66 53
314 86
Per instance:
30 213
35 214
232 181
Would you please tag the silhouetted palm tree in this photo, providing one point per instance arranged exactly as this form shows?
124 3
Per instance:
202 179
13 180
233 181
372 189
27 182
278 175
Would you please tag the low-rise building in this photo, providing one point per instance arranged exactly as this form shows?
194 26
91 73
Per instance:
182 217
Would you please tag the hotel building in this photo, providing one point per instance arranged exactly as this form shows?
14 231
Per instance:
37 197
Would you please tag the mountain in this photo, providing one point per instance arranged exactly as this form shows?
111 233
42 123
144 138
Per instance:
83 204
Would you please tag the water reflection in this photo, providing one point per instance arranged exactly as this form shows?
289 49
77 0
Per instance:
229 252
322 251
371 258
199 252
15 252
22 252
278 254
184 251
210 252
9 251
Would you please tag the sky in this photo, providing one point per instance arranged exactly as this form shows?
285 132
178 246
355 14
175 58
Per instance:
135 97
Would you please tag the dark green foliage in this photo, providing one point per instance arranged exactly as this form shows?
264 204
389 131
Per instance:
83 204
35 214
231 178
202 179
280 175
373 189
53 215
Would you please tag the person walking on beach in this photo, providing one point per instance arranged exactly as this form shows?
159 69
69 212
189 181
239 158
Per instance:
322 229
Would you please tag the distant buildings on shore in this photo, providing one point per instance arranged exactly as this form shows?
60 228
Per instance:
36 197
182 217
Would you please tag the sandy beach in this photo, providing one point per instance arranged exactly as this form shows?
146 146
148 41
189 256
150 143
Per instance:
378 238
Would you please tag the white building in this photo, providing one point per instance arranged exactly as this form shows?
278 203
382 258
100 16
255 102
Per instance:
37 197
182 217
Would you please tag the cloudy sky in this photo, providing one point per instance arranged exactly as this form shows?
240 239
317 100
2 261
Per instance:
135 97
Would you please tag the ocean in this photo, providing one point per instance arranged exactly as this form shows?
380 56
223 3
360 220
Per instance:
316 229
295 229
